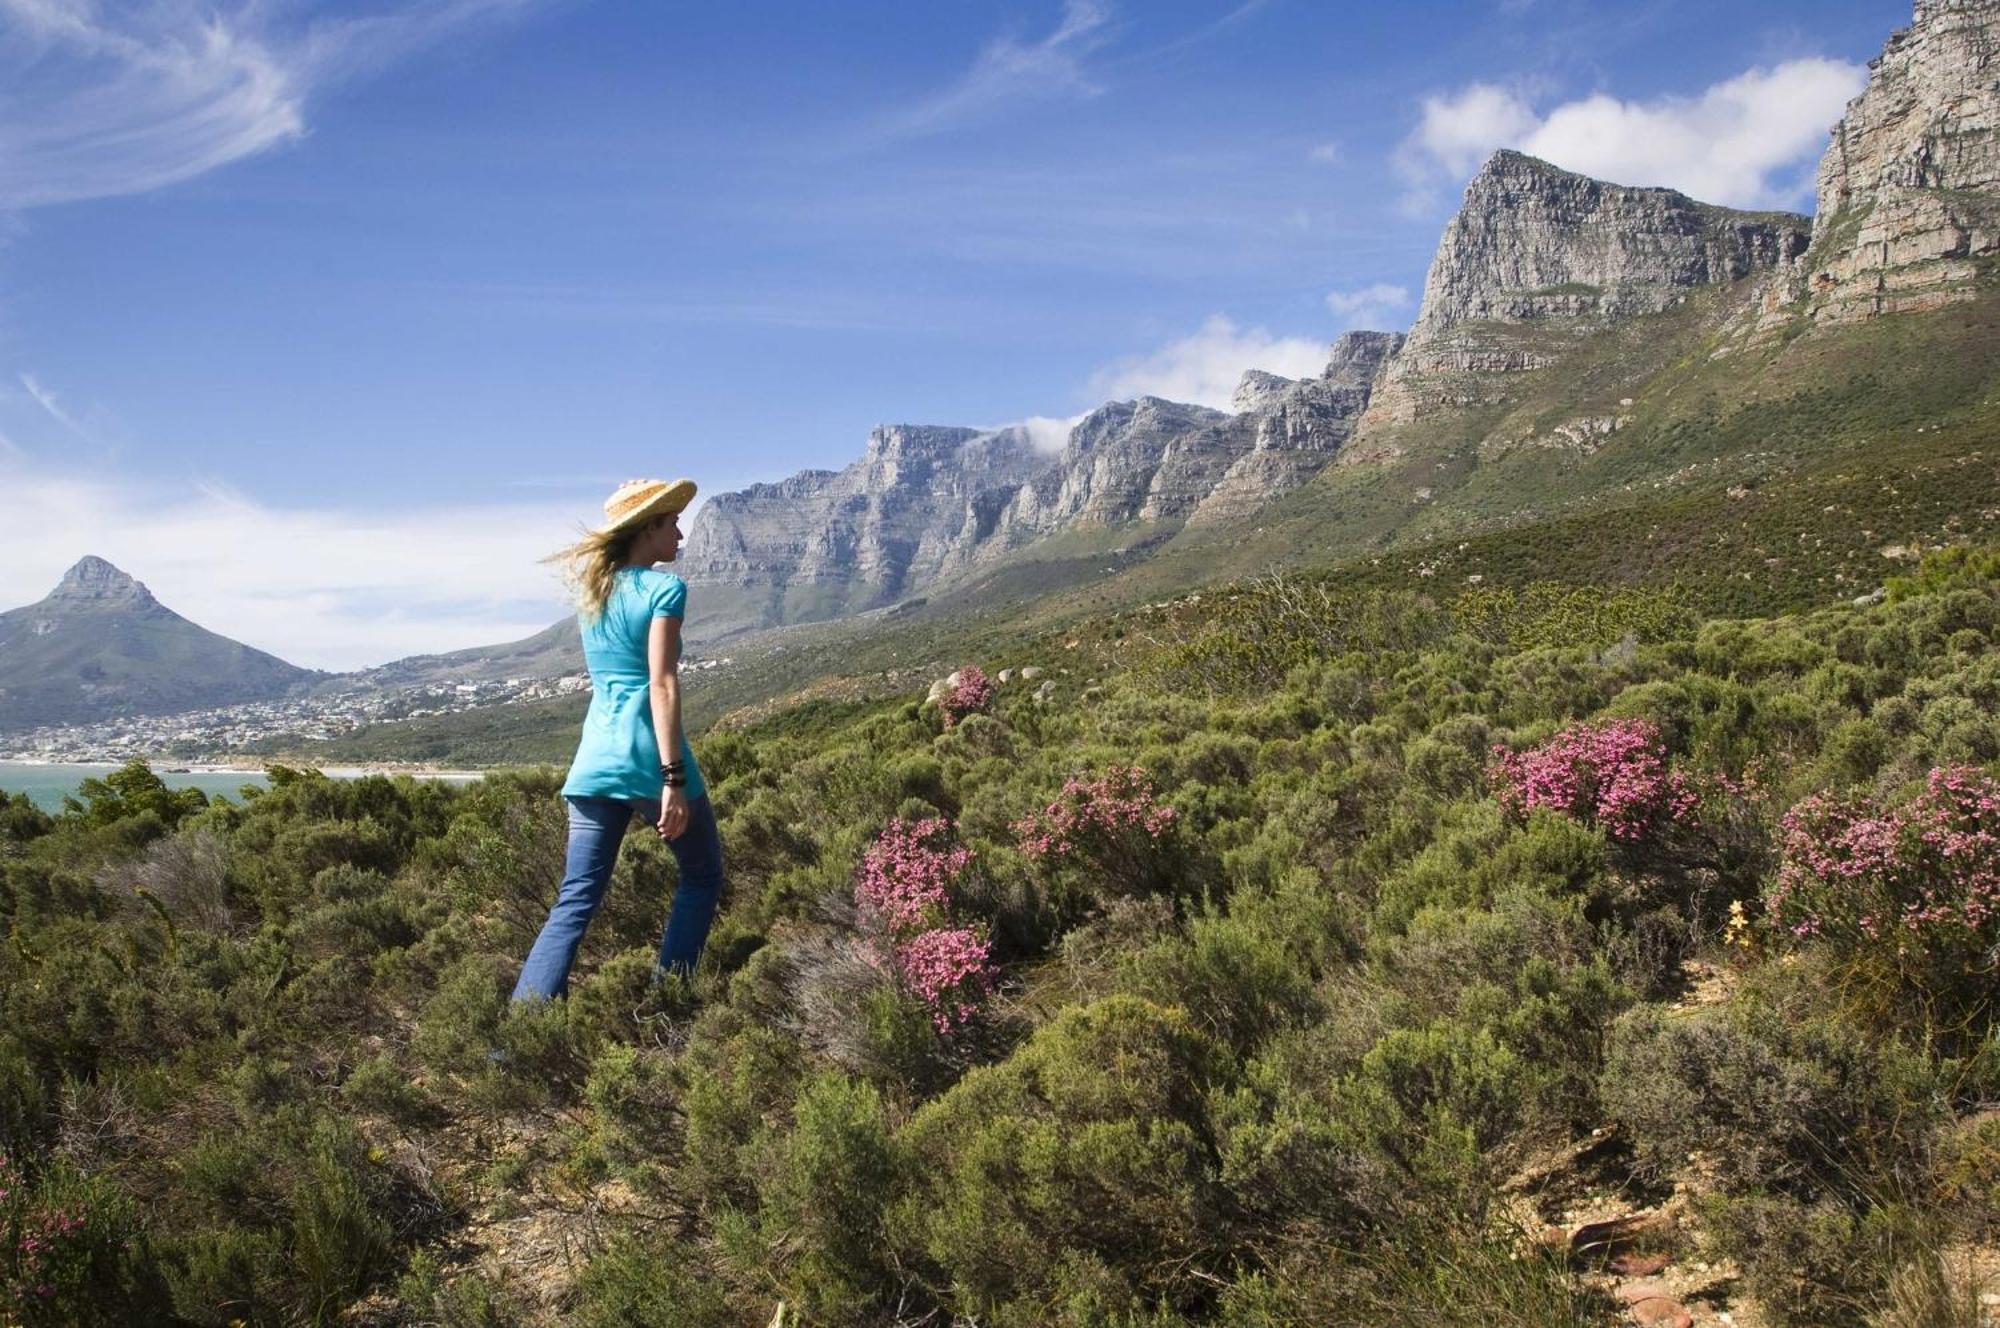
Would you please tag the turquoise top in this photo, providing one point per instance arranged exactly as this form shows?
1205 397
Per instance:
618 756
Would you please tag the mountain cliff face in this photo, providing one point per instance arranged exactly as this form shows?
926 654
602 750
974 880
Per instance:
925 502
821 543
1909 187
99 644
1297 426
1538 256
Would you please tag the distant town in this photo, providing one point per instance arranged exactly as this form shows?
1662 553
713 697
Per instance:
238 730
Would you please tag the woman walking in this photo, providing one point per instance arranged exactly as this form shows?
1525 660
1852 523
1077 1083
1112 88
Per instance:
630 616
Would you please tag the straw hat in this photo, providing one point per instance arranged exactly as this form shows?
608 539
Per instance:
642 500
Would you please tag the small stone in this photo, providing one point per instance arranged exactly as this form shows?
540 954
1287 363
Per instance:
1649 1302
1639 1265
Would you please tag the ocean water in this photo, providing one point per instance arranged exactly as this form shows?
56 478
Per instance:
47 784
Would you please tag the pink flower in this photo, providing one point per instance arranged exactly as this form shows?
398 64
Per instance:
949 969
1117 802
903 888
906 875
1927 870
972 695
1611 774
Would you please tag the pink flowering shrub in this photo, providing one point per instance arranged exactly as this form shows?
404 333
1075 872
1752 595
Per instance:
1610 774
903 889
1113 827
1117 802
972 695
1917 884
906 875
950 970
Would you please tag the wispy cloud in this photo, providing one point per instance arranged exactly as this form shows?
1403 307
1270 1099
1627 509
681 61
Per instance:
1206 31
1205 366
1010 72
53 407
1370 306
1748 141
97 101
320 586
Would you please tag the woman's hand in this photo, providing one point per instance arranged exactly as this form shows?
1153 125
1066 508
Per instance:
673 813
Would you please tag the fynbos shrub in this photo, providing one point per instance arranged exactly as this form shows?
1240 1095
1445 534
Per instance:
971 696
949 969
903 891
906 875
1613 775
1914 887
1114 823
66 1251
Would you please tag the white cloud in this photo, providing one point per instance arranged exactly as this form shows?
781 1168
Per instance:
1329 153
318 586
1748 141
1204 368
1047 433
1008 71
1368 307
97 101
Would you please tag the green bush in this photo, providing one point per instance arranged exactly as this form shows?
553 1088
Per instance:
71 1252
645 1283
379 1084
1819 1263
1090 1142
1807 1109
1244 973
822 1202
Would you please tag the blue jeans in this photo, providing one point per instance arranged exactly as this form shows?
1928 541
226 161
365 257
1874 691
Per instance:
596 828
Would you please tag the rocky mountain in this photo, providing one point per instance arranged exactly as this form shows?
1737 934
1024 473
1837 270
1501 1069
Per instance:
1909 188
99 645
1299 425
1538 257
823 543
925 503
1536 261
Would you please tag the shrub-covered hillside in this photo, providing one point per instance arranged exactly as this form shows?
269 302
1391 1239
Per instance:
1340 956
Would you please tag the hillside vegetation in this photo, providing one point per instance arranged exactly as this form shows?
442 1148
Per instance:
1317 952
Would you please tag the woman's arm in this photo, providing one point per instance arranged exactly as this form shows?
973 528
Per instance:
663 664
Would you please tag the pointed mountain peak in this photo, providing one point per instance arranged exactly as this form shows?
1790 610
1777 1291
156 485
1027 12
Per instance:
94 580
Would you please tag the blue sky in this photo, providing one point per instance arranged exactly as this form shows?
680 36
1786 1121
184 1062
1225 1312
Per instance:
324 320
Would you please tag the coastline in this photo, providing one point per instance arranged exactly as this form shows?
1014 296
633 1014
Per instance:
197 767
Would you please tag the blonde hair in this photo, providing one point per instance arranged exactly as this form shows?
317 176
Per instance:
590 566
